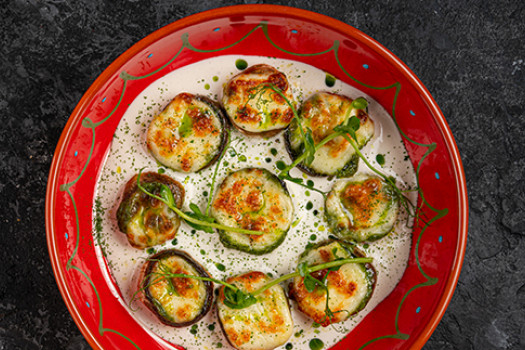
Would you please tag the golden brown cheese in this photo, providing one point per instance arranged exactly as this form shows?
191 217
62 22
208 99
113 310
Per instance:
177 301
188 134
264 325
322 112
253 199
252 106
361 208
348 287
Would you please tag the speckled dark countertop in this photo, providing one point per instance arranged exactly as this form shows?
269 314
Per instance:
469 54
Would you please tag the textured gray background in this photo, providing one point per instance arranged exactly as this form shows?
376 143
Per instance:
470 55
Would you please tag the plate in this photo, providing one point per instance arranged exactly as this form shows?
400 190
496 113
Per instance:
408 315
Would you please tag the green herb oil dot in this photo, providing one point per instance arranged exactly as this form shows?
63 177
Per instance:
215 78
220 267
207 86
329 80
273 151
219 345
380 159
315 212
241 64
194 330
313 237
267 160
211 327
174 242
289 346
280 165
242 158
316 344
150 250
309 205
161 171
310 183
203 252
205 193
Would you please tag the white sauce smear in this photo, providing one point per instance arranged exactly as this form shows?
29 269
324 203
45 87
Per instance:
128 154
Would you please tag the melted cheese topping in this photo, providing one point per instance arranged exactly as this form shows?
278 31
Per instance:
321 113
253 199
183 299
264 325
252 109
186 135
152 226
361 208
348 287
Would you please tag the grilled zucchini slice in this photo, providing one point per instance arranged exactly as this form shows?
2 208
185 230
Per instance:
265 325
253 199
364 208
147 221
321 113
254 108
176 301
349 288
189 134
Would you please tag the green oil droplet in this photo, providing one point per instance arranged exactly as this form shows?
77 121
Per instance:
273 151
280 165
380 159
220 267
329 80
241 64
207 86
242 158
215 78
309 205
316 344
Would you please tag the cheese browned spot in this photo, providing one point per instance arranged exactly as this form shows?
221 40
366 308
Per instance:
253 106
176 301
363 208
321 113
253 199
188 134
349 288
264 325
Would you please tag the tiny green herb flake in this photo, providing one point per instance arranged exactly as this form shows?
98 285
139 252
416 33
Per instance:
174 242
380 159
242 158
273 151
194 329
207 86
241 64
280 165
329 80
289 346
316 344
215 78
220 267
309 206
211 327
186 125
150 251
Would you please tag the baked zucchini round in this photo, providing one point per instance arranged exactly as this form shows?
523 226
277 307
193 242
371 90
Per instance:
349 288
321 113
265 325
176 301
364 208
189 134
255 108
253 199
147 221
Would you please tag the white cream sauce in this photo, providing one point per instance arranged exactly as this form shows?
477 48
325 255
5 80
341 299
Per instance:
128 154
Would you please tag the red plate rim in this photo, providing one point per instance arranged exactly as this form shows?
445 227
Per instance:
261 10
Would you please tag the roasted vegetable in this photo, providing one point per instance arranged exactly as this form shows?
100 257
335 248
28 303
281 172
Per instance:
348 287
321 113
364 208
257 200
176 301
189 134
145 220
264 325
252 101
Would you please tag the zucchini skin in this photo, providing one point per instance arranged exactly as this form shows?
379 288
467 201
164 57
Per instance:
312 304
263 326
155 306
272 214
320 114
135 202
165 148
247 113
341 219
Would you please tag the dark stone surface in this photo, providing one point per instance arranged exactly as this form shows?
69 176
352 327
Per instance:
469 54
